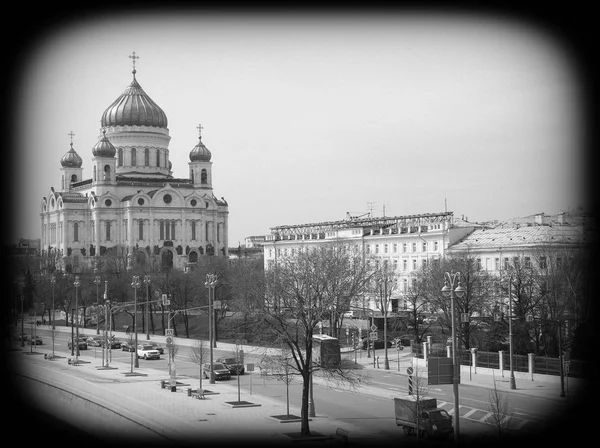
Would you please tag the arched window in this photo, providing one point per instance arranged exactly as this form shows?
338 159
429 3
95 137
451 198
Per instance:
141 229
193 257
106 172
157 158
120 157
133 157
146 157
75 231
94 175
203 177
74 178
193 230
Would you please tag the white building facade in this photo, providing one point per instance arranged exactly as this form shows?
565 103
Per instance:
405 243
132 206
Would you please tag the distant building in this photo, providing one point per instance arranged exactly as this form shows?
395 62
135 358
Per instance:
405 242
254 241
530 239
131 207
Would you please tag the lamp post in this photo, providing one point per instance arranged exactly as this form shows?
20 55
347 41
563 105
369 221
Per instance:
454 291
135 283
147 283
53 281
211 282
77 284
513 384
21 287
97 282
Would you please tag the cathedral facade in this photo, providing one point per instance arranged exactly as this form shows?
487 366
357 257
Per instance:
132 211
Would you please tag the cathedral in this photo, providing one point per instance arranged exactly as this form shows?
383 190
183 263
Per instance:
132 211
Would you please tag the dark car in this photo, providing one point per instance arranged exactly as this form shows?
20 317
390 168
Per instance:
81 342
128 346
378 344
34 340
114 343
221 372
232 365
157 346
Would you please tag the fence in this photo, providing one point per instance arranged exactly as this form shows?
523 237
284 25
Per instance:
541 364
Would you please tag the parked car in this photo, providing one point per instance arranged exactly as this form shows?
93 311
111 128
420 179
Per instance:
115 343
232 365
94 341
378 344
81 342
147 352
221 372
21 336
157 346
35 340
127 346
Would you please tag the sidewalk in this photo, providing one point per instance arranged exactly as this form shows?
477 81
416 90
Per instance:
162 416
547 386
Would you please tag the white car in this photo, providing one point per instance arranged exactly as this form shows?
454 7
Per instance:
146 351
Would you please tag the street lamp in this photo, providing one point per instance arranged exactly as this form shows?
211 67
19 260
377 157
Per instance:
97 282
53 281
21 287
513 384
135 283
452 291
211 282
147 283
75 343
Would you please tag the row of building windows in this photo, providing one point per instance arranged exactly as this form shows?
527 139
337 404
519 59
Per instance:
166 231
496 265
394 247
146 157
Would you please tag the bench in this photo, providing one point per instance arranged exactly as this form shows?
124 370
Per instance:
198 394
342 433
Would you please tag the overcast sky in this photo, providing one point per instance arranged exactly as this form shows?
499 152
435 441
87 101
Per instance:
313 117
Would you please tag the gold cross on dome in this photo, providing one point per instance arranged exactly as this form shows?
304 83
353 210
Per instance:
133 57
71 135
200 127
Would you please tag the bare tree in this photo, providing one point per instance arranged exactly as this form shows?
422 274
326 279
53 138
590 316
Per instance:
301 291
198 355
501 410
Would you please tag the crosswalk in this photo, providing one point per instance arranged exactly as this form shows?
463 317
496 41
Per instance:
487 417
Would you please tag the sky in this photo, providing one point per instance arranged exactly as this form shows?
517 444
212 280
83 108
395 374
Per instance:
313 117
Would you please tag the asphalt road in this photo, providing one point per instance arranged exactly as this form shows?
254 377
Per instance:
370 407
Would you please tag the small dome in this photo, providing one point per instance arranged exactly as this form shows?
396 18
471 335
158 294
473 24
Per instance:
104 148
134 108
200 153
71 159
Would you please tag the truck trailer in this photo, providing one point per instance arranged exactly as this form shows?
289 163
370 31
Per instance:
423 416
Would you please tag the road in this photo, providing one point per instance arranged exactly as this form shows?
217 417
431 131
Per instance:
369 407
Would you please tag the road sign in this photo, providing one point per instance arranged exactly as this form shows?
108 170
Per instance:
440 371
169 340
409 370
373 336
217 304
169 332
373 327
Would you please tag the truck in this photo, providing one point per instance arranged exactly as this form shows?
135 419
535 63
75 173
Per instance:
422 415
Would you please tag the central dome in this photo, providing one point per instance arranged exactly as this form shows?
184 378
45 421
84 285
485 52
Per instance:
134 108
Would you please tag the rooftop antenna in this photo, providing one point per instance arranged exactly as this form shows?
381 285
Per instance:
370 206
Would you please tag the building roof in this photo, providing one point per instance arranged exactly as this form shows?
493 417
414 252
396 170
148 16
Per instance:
534 235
